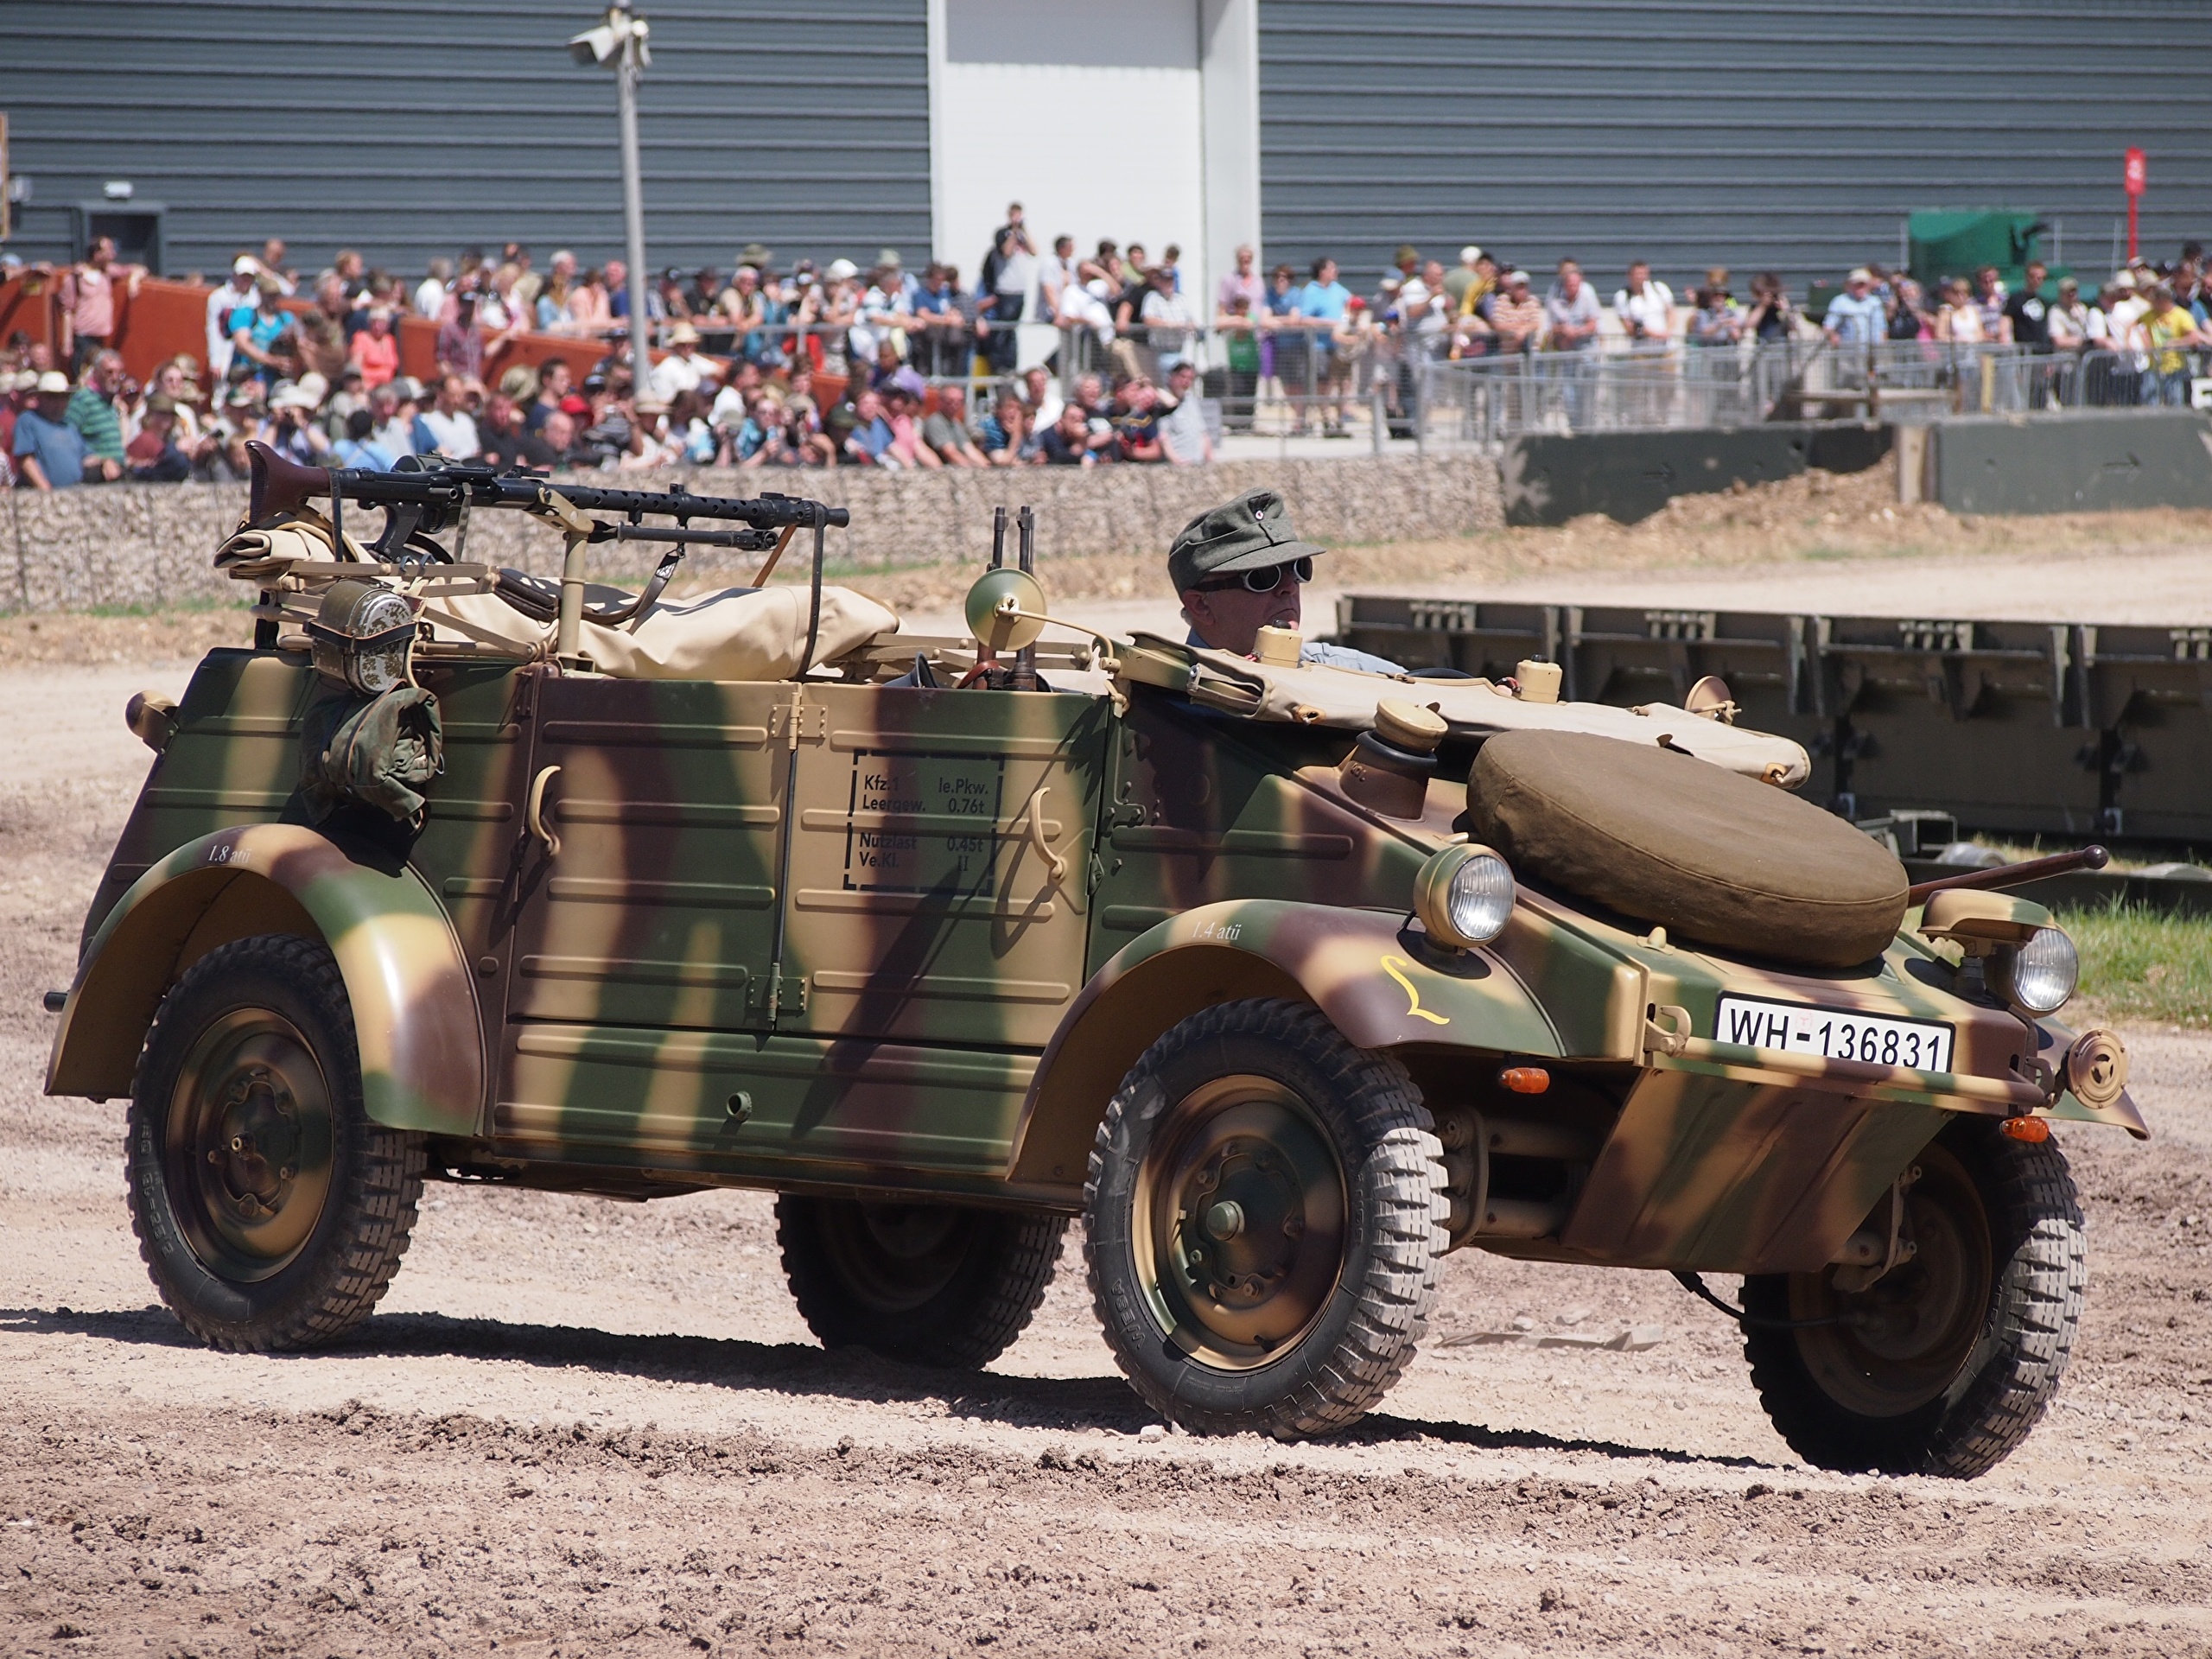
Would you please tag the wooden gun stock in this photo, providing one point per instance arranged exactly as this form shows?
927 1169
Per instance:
2010 875
281 485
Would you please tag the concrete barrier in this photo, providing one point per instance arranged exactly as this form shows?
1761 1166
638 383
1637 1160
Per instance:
1548 478
2109 462
145 544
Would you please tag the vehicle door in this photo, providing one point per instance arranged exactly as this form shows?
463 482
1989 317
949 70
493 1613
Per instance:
645 906
941 862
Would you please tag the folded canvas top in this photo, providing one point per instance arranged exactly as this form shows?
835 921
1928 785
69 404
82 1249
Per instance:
1308 694
737 633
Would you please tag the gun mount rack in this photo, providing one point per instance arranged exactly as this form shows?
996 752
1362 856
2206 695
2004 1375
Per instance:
420 498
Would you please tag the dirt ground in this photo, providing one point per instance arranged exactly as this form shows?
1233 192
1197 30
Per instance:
585 1427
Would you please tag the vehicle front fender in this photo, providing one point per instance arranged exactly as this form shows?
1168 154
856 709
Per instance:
1375 982
414 1000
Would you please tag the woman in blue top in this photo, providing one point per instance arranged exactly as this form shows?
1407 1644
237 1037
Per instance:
260 346
1283 357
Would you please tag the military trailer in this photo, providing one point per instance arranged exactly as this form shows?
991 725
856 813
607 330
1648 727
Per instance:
1286 979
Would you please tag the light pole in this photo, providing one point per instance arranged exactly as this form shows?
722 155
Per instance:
619 42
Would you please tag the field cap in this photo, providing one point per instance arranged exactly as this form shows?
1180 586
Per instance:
245 265
52 381
1469 254
1250 533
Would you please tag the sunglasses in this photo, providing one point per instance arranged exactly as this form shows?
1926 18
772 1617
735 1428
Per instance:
1265 580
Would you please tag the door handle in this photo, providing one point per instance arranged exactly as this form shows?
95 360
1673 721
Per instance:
1053 862
534 811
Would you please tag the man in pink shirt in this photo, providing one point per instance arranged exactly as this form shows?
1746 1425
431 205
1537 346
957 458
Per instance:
88 302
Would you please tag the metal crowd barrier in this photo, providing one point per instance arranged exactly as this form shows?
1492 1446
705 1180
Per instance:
2018 728
1293 377
1483 400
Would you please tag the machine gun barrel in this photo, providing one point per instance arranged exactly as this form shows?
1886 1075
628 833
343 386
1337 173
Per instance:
281 485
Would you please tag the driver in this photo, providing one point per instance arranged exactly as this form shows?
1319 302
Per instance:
1238 568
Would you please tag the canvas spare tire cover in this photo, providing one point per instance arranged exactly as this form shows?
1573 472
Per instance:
1714 856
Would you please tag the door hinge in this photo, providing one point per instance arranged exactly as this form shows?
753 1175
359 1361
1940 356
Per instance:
781 993
813 721
1095 877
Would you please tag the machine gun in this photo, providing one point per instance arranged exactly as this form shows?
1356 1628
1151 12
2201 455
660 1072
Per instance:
420 498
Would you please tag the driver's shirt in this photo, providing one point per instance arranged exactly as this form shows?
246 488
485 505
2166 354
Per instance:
1316 653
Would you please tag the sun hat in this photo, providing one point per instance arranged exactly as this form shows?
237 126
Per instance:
840 270
51 382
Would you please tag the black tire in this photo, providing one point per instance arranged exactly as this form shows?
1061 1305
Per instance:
1974 1331
930 1284
270 1210
1289 1303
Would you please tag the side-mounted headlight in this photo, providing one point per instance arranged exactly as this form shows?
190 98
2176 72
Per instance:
1464 896
364 637
2040 974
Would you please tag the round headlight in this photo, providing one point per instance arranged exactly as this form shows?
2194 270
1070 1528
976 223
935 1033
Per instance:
1464 896
2043 971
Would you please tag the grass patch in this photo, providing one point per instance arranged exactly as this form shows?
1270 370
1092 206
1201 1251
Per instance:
2140 966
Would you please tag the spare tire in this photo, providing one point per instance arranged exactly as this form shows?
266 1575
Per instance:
1711 855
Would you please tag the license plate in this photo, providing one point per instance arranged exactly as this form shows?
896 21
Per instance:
1835 1033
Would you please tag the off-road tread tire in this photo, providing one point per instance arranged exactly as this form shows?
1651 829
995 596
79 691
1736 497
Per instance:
976 1320
1395 1170
376 1173
2040 1248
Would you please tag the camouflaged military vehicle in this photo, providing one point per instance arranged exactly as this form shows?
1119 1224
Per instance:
1287 980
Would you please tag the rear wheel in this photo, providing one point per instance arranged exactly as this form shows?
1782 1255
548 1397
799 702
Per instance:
1263 1216
930 1284
270 1210
1943 1365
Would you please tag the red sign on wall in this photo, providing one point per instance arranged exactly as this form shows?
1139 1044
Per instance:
2133 172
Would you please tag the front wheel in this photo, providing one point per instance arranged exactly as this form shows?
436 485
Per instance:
270 1210
1263 1217
1942 1366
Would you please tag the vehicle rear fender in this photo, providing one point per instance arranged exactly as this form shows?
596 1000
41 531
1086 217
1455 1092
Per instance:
1376 982
414 1000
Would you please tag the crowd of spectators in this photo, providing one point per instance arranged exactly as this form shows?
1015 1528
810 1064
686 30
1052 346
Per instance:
831 366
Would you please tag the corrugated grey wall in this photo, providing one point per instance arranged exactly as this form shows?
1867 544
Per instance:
1784 133
407 127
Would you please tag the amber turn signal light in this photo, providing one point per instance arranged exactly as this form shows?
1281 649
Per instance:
2033 1131
1525 1079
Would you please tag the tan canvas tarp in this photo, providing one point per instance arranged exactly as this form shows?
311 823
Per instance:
1347 697
739 634
1713 857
